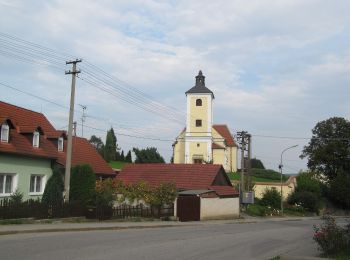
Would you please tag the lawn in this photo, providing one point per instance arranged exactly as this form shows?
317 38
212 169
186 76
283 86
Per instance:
236 177
117 164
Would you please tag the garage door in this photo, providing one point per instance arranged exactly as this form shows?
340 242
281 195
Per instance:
188 208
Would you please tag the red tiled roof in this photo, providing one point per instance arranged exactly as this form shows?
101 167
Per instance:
26 121
185 176
225 133
224 190
217 146
84 153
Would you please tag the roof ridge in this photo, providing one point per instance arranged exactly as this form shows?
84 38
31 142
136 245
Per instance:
22 108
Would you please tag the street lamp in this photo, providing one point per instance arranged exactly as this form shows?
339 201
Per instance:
281 166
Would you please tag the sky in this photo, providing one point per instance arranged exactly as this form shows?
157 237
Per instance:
276 67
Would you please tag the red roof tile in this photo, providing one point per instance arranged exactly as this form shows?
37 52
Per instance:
224 190
225 133
84 153
185 176
217 146
26 122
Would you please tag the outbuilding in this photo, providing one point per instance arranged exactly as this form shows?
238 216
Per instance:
204 190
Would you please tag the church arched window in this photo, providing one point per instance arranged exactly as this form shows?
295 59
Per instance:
198 102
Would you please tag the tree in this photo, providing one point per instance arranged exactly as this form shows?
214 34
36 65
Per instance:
148 155
98 144
122 157
53 193
328 151
82 184
257 164
128 157
111 146
340 189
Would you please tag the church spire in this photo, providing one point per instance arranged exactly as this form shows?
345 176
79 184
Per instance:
200 80
200 87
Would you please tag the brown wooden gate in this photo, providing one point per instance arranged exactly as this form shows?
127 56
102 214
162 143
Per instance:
188 208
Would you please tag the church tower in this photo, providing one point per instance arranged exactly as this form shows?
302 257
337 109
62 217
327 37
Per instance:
199 121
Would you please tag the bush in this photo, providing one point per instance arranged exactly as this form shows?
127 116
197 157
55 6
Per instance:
272 198
53 193
308 200
16 198
331 239
82 184
256 210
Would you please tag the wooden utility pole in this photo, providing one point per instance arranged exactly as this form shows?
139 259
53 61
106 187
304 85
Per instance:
242 141
74 72
249 165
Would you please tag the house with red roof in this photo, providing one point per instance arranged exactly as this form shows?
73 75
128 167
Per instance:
205 186
30 147
201 141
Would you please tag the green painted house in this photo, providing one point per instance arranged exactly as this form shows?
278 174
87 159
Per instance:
29 149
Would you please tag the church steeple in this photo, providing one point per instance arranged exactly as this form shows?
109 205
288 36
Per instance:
200 87
200 80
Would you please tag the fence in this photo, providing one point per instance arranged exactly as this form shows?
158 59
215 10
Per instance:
39 210
127 211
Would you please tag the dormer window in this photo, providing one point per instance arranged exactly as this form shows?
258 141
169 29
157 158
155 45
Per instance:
60 144
198 102
5 131
36 138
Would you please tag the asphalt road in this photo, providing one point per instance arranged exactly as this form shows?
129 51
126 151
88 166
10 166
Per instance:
210 241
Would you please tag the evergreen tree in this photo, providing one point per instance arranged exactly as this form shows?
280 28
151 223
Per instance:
53 194
128 157
122 157
82 184
110 151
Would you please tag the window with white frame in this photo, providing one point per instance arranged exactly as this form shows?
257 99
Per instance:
36 184
60 144
36 138
6 184
5 131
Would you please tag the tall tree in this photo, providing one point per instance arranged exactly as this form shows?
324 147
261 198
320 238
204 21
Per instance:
98 144
328 151
148 155
111 146
122 157
82 184
128 157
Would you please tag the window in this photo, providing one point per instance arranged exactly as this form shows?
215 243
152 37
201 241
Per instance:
198 102
60 144
198 123
36 138
197 161
6 184
5 130
36 183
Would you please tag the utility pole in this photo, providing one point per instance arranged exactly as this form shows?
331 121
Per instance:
249 165
242 141
83 117
74 72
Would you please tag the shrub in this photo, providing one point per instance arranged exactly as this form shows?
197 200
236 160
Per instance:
53 193
16 198
256 210
82 184
308 200
272 198
331 238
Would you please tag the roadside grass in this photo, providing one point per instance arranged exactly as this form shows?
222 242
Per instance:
117 164
275 258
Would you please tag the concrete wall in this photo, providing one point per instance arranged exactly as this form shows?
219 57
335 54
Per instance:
22 168
219 208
